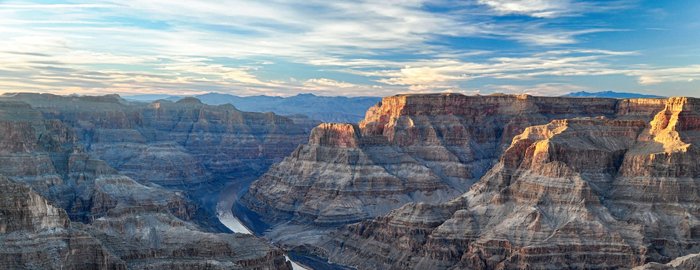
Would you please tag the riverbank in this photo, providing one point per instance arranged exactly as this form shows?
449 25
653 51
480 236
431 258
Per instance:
227 198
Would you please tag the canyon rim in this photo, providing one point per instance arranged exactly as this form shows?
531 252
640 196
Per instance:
349 134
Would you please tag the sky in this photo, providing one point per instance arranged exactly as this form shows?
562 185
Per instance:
351 48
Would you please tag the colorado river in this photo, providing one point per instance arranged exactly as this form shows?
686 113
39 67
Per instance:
227 197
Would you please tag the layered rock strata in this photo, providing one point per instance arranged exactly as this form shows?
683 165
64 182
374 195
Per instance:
594 193
691 261
36 235
117 222
180 143
427 148
48 156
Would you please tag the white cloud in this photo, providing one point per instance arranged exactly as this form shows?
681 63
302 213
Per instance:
161 46
446 72
450 73
554 8
215 72
325 86
313 30
650 76
534 8
323 82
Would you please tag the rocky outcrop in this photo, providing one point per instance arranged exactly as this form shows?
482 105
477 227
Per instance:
691 261
158 240
47 155
319 108
182 143
335 135
332 180
595 193
36 235
657 184
427 148
119 222
23 209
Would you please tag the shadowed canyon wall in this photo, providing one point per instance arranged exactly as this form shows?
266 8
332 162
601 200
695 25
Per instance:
496 182
116 176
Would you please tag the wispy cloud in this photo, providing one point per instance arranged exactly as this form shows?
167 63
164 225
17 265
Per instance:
450 74
554 8
323 82
446 73
284 47
651 76
534 8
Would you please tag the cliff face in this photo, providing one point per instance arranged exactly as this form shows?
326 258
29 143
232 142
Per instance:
78 154
332 179
428 148
36 235
318 108
594 193
691 261
48 156
173 144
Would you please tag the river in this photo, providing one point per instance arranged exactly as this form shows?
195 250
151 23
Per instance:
227 197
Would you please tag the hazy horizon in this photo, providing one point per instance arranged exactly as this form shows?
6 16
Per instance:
128 95
350 48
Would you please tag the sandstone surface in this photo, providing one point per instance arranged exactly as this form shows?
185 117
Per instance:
608 192
36 235
409 148
109 181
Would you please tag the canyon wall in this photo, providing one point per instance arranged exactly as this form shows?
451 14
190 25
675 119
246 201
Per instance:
173 143
108 180
494 182
597 193
408 148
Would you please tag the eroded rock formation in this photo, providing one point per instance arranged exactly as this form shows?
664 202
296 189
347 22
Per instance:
607 192
72 202
691 261
409 148
173 143
36 235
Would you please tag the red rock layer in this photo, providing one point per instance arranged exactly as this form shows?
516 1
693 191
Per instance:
593 193
409 148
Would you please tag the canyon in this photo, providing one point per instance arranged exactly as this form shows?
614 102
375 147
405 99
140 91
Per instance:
316 108
424 181
447 181
130 185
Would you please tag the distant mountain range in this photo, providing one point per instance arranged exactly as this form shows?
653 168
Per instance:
322 108
152 97
610 94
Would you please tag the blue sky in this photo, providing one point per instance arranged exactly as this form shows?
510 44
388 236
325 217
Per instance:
354 48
